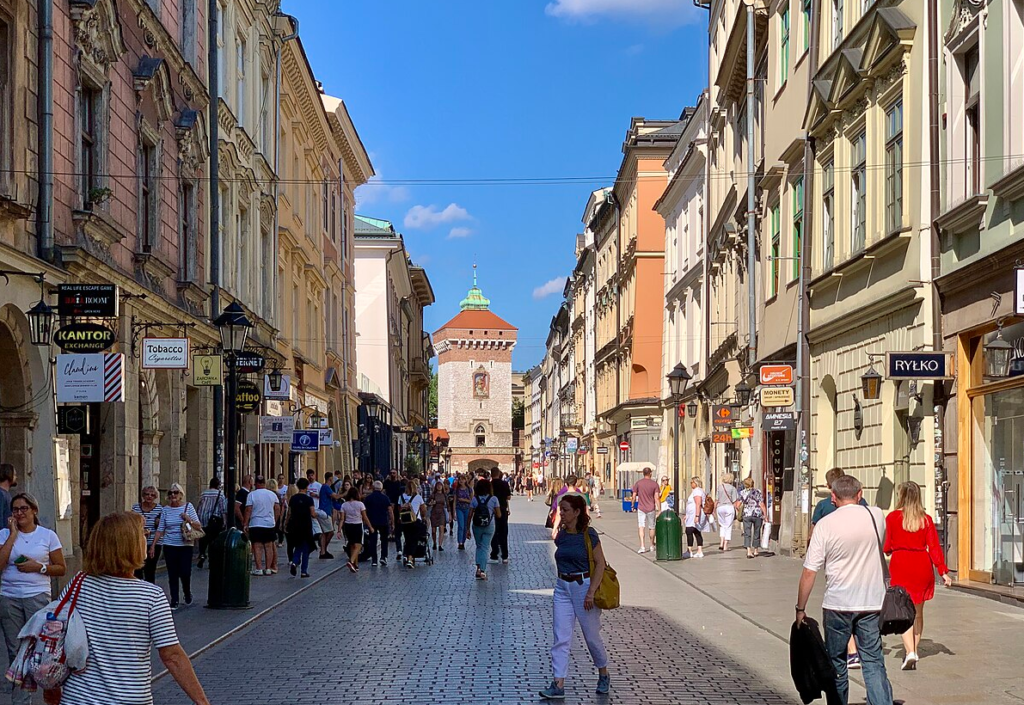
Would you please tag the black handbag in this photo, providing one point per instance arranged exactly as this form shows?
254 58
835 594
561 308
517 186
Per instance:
898 611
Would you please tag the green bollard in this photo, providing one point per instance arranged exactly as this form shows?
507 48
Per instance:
229 571
669 532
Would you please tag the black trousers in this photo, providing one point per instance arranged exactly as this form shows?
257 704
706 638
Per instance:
693 535
499 543
398 535
381 536
148 570
179 567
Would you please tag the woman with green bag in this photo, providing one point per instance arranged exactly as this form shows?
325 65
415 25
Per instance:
579 559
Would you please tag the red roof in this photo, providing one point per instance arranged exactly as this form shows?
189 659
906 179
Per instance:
438 434
475 319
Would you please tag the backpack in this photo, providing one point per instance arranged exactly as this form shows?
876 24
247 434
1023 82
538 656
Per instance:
709 505
482 519
405 514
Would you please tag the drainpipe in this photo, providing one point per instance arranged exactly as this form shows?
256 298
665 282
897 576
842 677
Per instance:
44 209
751 222
618 309
213 79
935 207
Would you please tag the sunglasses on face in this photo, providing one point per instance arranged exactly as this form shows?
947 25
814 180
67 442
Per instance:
172 494
18 510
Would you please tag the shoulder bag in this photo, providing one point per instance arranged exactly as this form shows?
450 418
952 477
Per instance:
190 531
606 596
898 610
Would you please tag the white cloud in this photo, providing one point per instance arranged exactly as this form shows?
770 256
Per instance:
634 50
671 12
377 191
427 217
546 289
459 232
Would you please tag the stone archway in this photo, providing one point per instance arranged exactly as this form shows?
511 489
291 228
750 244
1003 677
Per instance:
481 464
18 415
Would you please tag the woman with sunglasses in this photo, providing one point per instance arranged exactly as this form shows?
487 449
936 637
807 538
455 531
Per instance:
150 509
31 555
177 549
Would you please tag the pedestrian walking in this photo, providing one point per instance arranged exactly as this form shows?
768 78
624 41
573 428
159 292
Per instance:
579 577
554 491
645 502
595 500
124 620
438 515
499 542
665 498
30 554
240 497
8 479
325 513
299 528
913 542
482 512
354 518
696 521
174 517
463 498
282 499
728 500
754 512
529 487
382 518
845 544
412 514
212 512
150 509
261 514
394 487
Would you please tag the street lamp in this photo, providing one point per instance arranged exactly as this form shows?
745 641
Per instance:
40 321
678 378
372 406
275 378
232 590
743 392
691 409
997 356
871 383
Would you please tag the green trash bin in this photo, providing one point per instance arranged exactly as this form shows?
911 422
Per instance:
669 532
230 555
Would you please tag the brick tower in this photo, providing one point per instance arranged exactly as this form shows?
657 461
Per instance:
474 385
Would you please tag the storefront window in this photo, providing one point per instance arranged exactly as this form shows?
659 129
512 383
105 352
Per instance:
998 485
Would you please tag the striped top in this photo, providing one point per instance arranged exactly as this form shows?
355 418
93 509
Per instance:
150 520
170 523
125 619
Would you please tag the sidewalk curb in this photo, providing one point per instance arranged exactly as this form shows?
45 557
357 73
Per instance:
259 615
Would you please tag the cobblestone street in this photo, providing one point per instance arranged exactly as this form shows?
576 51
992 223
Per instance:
435 635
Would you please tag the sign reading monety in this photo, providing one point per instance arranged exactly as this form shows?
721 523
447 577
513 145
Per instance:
84 338
918 365
98 300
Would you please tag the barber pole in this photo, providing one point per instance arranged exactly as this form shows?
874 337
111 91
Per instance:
113 377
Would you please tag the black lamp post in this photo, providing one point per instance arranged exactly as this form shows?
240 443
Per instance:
678 378
743 393
372 406
230 548
40 321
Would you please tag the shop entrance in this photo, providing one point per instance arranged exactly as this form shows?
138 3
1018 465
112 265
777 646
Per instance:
998 511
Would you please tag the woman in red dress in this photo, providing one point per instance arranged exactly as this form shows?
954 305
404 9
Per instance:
911 539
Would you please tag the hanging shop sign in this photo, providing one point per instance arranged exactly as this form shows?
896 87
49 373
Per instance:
305 441
207 370
84 338
721 436
778 421
90 377
571 445
247 397
721 415
245 363
73 420
776 374
283 392
583 450
87 300
165 353
919 365
326 437
602 450
637 423
777 396
742 432
277 429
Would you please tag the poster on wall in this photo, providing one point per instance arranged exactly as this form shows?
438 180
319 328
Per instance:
90 377
481 384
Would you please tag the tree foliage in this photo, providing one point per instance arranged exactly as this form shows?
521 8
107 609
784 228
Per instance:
432 403
518 414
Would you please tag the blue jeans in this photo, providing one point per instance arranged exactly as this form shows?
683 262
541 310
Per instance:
483 535
462 514
839 626
300 555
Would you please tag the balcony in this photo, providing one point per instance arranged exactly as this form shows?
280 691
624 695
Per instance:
419 374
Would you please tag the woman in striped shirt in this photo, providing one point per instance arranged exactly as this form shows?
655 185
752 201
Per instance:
177 550
150 509
124 619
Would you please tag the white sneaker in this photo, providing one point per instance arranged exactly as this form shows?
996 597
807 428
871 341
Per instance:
910 662
641 550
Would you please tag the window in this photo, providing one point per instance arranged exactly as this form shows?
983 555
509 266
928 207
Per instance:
334 217
240 50
222 44
344 222
783 45
828 216
324 195
740 137
481 437
776 252
6 161
90 120
149 172
242 258
798 223
858 191
805 12
972 144
894 166
295 310
266 112
837 23
189 26
266 268
188 227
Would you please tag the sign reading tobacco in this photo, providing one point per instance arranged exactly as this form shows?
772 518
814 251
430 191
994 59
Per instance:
91 300
84 338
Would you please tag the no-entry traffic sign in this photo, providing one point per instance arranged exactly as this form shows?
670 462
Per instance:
624 446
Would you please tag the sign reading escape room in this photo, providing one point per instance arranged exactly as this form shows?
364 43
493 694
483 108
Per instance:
87 300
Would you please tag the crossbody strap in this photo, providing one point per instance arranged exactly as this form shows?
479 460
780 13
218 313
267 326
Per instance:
590 549
881 553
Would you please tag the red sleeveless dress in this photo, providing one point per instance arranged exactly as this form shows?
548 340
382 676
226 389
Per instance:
913 556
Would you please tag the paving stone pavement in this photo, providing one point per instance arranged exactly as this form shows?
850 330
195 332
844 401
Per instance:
436 635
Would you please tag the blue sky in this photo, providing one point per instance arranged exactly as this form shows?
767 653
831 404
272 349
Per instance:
499 89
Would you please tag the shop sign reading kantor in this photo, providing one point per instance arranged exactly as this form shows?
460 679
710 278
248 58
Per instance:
84 338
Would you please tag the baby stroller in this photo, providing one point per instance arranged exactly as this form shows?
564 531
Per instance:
421 543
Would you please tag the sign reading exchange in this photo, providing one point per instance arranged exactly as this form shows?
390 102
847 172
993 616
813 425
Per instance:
84 338
918 365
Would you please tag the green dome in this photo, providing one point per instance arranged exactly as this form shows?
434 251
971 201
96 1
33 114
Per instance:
475 299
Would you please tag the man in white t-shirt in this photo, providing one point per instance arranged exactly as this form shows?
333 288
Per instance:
314 486
262 510
847 544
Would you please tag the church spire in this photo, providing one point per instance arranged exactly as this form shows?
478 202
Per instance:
475 299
